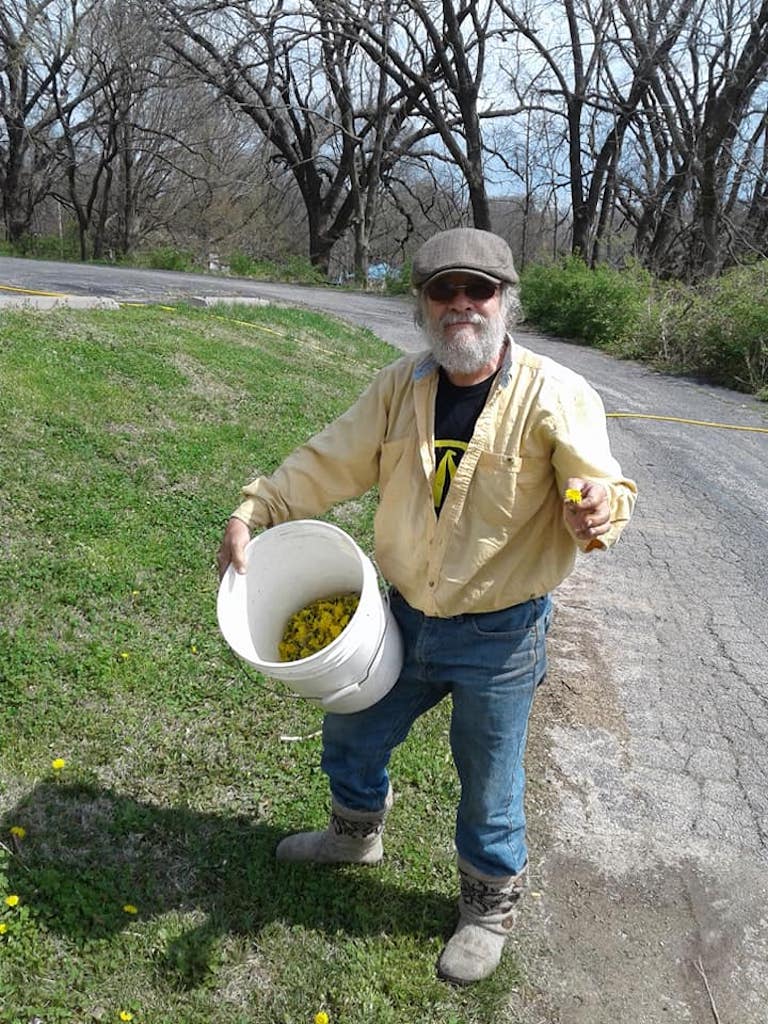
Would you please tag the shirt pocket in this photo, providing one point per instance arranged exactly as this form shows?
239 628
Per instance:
508 489
392 462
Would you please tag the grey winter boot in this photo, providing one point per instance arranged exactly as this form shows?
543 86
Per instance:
486 915
352 837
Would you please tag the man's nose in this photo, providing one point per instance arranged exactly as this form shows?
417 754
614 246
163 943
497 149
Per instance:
460 298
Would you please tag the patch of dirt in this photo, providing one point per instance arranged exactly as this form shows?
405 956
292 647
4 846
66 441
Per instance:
203 383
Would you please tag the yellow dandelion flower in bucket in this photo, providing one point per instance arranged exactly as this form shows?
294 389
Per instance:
312 628
17 831
12 900
573 494
129 908
58 763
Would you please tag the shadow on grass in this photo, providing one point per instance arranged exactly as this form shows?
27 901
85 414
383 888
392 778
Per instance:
89 852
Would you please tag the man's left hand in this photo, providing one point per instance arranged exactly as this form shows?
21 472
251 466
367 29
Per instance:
589 518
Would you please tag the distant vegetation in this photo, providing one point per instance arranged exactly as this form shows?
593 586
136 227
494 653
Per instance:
717 330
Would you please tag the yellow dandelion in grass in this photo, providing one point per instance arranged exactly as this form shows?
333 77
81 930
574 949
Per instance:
17 831
125 1015
58 763
129 908
125 655
12 900
3 927
573 494
322 1018
194 648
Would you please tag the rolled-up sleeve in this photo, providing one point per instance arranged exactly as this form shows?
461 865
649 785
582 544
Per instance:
581 448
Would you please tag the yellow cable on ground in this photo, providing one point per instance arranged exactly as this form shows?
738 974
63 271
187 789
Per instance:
248 323
679 419
30 291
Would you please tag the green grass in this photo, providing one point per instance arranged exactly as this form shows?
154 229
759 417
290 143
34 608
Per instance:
124 440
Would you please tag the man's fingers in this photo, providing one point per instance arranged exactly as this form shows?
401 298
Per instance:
238 559
233 545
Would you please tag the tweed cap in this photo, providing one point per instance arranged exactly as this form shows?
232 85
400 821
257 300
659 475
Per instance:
463 249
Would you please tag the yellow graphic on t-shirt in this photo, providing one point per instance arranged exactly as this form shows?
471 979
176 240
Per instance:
448 457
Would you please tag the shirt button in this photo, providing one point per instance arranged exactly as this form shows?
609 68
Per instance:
431 583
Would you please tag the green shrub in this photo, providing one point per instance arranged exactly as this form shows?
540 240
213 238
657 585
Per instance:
295 269
568 298
241 264
662 331
244 265
734 339
299 270
46 247
168 258
398 282
718 330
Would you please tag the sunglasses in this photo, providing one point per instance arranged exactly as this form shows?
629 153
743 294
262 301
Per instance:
476 289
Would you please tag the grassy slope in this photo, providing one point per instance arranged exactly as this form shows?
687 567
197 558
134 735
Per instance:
124 439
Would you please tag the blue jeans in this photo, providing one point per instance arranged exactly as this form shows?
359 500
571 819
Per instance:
491 664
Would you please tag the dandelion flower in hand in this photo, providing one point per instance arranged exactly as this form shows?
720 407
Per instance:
573 494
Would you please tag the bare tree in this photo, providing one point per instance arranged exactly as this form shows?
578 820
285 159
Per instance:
325 113
589 79
439 51
706 149
38 86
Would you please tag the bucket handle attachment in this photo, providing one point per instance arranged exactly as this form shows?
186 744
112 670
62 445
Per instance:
327 702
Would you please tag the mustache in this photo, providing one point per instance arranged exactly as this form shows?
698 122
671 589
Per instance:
462 318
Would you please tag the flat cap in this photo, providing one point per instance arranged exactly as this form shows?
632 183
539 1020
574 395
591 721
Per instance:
463 249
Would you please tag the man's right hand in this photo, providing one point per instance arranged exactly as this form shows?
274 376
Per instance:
232 549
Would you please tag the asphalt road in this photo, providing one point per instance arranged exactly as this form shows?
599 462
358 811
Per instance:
649 791
125 285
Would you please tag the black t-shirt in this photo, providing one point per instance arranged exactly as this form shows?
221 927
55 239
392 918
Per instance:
456 412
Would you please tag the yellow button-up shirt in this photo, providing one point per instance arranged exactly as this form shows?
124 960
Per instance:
501 537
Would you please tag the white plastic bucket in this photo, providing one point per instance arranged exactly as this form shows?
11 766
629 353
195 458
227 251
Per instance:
289 566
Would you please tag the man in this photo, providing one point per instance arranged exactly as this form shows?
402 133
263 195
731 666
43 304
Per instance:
494 468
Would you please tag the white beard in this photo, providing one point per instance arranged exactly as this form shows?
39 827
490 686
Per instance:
468 350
